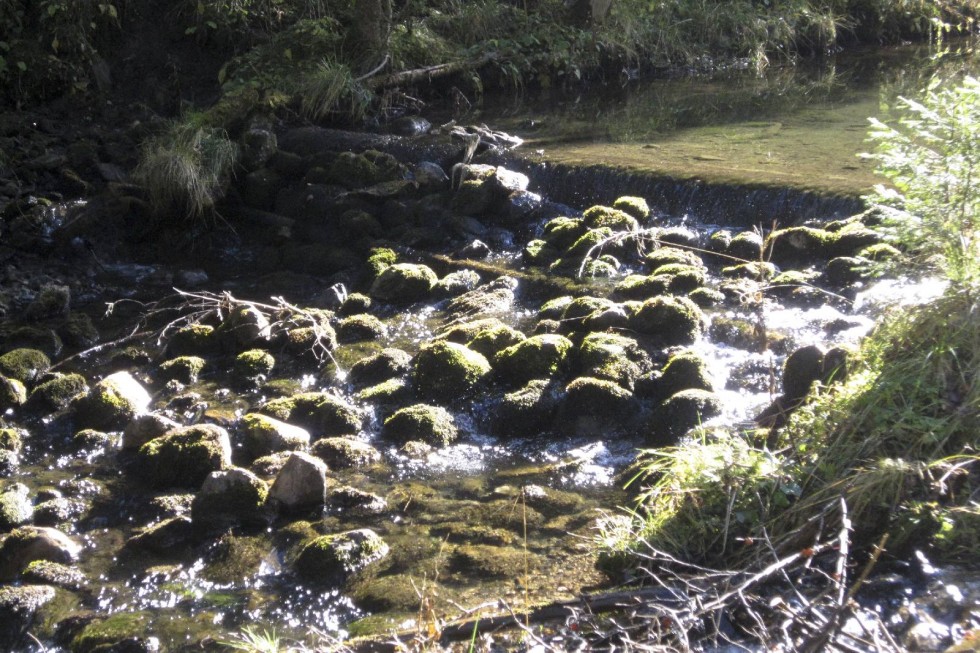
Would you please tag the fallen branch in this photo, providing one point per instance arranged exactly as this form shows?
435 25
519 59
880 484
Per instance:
428 73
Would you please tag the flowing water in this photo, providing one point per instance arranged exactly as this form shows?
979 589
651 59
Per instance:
738 149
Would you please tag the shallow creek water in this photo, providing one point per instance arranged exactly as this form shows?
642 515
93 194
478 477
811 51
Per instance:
448 508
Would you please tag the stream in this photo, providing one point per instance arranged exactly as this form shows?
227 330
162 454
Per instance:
496 514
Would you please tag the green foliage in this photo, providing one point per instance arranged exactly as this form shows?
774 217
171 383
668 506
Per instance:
932 159
186 170
331 88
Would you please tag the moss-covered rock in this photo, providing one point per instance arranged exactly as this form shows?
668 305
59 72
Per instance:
354 304
345 453
802 368
612 357
184 457
746 246
404 283
422 422
45 572
92 439
245 325
360 327
60 511
230 497
580 309
526 411
844 271
300 484
669 320
669 255
540 253
264 435
365 169
78 330
13 393
706 297
880 252
52 301
24 365
29 543
756 270
393 392
11 439
57 392
596 217
495 338
538 357
184 369
336 559
323 414
192 340
140 430
554 308
121 631
351 502
634 206
737 332
593 241
18 608
16 508
485 561
495 296
681 412
562 232
379 259
684 370
455 284
592 406
376 368
111 402
253 364
446 371
639 286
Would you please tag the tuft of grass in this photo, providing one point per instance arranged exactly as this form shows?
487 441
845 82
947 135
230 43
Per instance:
252 640
186 170
331 88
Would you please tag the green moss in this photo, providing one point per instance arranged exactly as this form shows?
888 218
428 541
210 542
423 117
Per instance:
639 286
13 393
57 393
253 363
612 357
670 255
333 559
404 283
46 572
591 241
684 371
706 297
561 233
264 435
526 411
78 330
493 339
578 310
11 439
321 413
422 422
228 497
184 369
634 206
597 217
24 365
537 357
880 252
681 412
756 270
446 371
380 259
184 457
539 252
102 634
669 320
360 327
485 561
344 453
554 308
192 340
390 392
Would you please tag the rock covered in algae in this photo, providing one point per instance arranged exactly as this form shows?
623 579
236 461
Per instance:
343 453
301 483
141 429
596 217
229 497
421 422
669 320
13 393
16 508
684 370
362 326
445 371
184 457
29 543
265 435
404 283
527 410
591 406
56 393
111 402
683 411
612 357
335 559
385 364
123 631
321 413
538 357
18 608
24 365
45 572
184 369
635 206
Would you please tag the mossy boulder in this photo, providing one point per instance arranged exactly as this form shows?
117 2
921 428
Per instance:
345 453
78 330
29 543
245 325
192 340
756 270
19 607
184 369
706 297
612 357
562 232
52 301
45 572
669 320
140 430
526 411
16 508
230 497
184 457
446 371
264 435
385 364
91 439
538 357
681 412
746 246
540 253
365 169
456 283
803 244
360 327
844 271
641 286
802 368
554 308
736 331
354 304
13 393
379 259
634 206
580 309
31 337
421 422
684 370
111 403
592 406
593 241
493 339
323 414
123 631
253 364
596 217
393 392
11 439
669 255
337 559
404 283
24 365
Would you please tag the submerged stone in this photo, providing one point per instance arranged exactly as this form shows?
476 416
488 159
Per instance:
343 453
592 406
335 559
45 572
